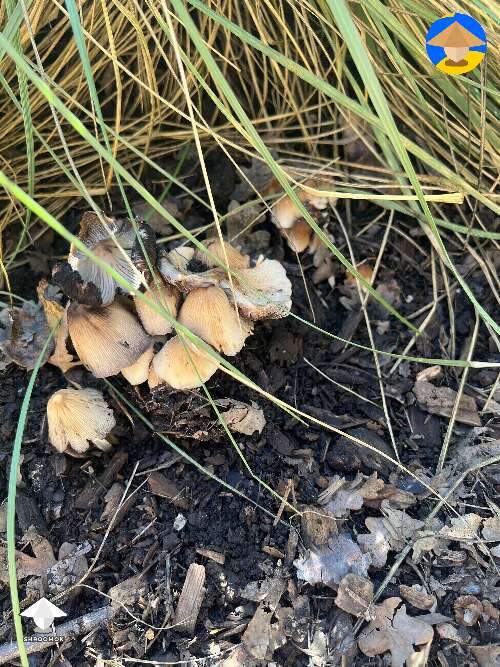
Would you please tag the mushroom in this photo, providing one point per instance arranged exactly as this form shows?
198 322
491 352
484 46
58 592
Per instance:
164 296
138 372
456 42
222 250
208 314
288 218
107 339
261 292
182 365
77 417
112 241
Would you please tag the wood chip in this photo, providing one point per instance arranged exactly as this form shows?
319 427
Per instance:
355 595
160 486
190 600
417 596
96 488
213 555
440 401
272 551
429 373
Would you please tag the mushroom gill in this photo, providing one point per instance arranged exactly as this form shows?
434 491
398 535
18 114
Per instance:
77 417
107 339
181 365
208 314
112 242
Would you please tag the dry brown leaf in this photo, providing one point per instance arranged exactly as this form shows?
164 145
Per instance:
467 609
345 497
23 333
244 418
491 529
317 526
418 597
440 401
487 656
26 565
394 631
462 528
329 564
355 595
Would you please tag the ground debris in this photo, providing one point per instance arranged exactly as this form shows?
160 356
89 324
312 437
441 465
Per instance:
23 333
192 595
329 564
393 630
243 418
418 597
487 656
355 595
440 401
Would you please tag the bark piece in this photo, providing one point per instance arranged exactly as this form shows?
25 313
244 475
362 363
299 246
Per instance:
355 595
190 600
440 401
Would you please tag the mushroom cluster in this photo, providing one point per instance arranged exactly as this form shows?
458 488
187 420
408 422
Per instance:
216 295
287 216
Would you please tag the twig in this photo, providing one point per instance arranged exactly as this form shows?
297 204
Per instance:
76 627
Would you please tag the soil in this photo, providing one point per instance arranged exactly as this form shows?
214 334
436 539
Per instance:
159 538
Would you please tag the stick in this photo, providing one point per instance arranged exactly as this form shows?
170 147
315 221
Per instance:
79 626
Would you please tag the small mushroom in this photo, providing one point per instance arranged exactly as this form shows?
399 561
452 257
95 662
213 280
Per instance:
164 296
112 241
298 236
261 292
107 339
235 259
77 417
182 366
208 314
139 371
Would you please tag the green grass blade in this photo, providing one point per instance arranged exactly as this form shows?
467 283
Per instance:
11 504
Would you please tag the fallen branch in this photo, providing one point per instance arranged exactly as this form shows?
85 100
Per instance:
74 628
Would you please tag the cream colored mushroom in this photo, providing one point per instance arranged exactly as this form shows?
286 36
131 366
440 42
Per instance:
182 366
77 417
164 296
106 339
225 253
111 241
139 371
208 314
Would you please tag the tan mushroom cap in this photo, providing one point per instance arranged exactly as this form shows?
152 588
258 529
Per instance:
176 273
164 296
113 247
262 292
139 372
285 212
298 236
76 417
107 339
456 36
208 314
363 269
235 259
181 366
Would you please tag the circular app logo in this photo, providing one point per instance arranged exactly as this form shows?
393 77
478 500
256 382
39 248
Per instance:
456 44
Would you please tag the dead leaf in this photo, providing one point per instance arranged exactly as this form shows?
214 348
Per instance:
418 597
487 656
317 526
440 401
344 496
395 632
376 542
329 564
467 609
56 316
462 528
491 529
243 418
23 334
26 565
355 595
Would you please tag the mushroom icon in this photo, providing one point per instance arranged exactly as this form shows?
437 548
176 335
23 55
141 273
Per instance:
456 41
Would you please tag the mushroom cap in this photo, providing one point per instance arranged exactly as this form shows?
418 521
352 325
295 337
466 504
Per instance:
208 314
106 339
178 275
364 269
262 292
112 245
76 417
235 259
285 213
298 236
164 296
183 366
181 256
138 372
455 35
